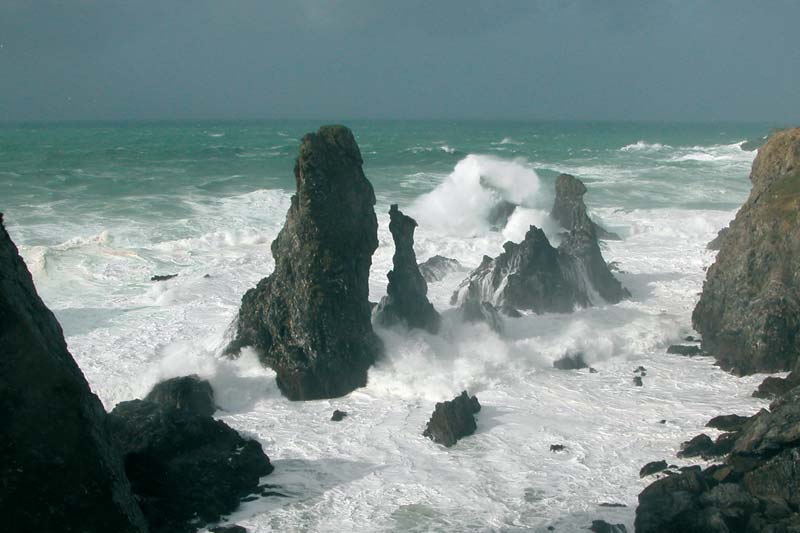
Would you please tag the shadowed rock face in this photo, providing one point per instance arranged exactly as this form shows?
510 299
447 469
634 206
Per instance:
749 311
406 300
189 393
569 210
186 469
532 275
453 419
310 320
437 267
59 470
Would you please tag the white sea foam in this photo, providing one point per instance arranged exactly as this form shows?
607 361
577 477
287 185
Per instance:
640 146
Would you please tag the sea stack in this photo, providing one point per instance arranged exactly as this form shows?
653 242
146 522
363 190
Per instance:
569 210
749 311
58 466
310 320
406 301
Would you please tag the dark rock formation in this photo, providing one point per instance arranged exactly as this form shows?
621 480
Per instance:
601 526
716 242
680 349
473 310
774 387
500 213
437 267
310 320
749 311
652 468
338 415
637 380
532 275
164 277
228 529
754 490
453 419
569 209
185 469
571 362
187 392
727 422
697 446
59 470
406 301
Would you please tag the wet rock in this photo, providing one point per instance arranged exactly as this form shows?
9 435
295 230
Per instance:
569 210
749 311
228 529
188 392
680 349
310 320
601 526
727 422
453 419
59 468
592 370
164 277
406 301
652 468
571 362
338 415
500 213
716 242
438 267
605 504
557 448
699 445
532 275
774 387
184 467
637 380
475 311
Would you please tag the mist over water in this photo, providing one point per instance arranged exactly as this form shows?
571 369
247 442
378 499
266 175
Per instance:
98 209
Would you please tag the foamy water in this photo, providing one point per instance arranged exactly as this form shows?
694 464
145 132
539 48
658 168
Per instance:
374 471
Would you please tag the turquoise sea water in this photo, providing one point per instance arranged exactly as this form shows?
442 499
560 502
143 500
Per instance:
97 209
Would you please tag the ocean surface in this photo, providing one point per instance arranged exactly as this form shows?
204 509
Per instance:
97 209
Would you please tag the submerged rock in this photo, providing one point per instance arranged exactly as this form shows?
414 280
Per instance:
310 320
569 210
437 267
185 469
164 277
532 275
406 301
749 311
189 393
680 349
59 469
452 420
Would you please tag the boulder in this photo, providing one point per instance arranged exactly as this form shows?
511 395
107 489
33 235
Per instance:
569 210
165 277
452 420
749 311
532 275
188 392
338 415
437 267
680 349
699 445
727 422
571 361
406 301
652 468
775 387
186 469
310 320
601 526
59 468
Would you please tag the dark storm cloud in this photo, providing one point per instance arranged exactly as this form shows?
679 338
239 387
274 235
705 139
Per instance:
679 59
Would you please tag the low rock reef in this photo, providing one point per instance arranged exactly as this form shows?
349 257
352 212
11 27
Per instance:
310 320
749 311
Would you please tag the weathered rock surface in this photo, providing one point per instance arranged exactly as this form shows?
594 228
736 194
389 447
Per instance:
406 301
569 210
727 422
453 419
310 320
437 267
653 468
532 275
716 242
680 349
185 469
754 490
749 311
187 392
59 469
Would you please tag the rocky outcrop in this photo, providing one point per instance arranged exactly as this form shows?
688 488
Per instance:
571 361
452 420
189 393
685 350
569 210
310 320
532 275
406 301
59 470
716 242
437 267
186 469
754 490
749 311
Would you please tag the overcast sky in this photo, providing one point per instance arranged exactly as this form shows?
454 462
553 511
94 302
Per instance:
339 59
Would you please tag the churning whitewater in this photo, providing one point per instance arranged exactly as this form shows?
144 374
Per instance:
207 208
